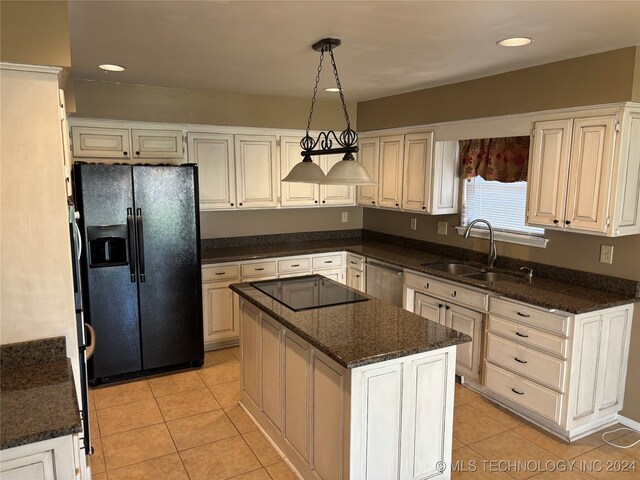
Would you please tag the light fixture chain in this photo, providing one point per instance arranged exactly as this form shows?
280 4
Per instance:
335 73
315 91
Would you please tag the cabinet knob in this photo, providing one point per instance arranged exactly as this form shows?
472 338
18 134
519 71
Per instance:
240 204
323 201
232 204
556 221
373 203
125 153
440 305
447 307
397 204
567 222
316 201
424 208
357 276
137 153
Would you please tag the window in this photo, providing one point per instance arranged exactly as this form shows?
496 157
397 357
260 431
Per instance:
504 206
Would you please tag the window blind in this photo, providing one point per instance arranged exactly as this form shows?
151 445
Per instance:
502 204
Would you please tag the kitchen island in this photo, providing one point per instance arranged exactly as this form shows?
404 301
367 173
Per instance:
360 390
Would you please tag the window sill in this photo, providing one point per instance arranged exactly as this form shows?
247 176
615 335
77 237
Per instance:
507 237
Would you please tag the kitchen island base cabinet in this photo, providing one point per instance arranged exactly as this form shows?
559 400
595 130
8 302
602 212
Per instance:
53 459
392 419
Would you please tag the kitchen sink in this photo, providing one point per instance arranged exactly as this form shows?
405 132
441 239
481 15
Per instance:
490 277
453 268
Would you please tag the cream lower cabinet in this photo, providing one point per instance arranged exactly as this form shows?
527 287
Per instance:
355 272
565 372
52 459
434 300
219 305
390 420
584 175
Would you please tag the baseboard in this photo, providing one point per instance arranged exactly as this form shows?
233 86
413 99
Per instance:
627 422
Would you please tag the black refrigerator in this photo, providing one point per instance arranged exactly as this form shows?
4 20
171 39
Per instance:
141 274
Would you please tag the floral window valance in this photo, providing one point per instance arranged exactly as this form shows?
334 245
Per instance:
502 159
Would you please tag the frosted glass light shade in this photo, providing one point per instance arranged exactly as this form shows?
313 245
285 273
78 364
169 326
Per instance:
348 172
305 172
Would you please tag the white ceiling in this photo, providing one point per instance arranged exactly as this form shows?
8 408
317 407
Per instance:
388 47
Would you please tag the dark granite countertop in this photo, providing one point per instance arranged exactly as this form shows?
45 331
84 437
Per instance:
550 293
360 333
37 400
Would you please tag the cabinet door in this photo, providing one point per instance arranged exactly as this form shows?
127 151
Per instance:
216 169
100 142
257 171
332 273
355 279
157 143
548 170
297 423
428 307
271 373
220 307
614 350
38 466
468 354
369 149
335 194
390 171
295 194
445 179
417 171
250 331
590 173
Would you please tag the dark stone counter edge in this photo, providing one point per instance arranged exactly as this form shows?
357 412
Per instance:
462 338
40 437
495 288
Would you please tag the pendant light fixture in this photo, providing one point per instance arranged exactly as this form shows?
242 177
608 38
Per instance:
345 172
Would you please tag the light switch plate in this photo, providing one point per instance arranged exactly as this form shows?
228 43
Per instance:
606 254
345 217
414 223
442 228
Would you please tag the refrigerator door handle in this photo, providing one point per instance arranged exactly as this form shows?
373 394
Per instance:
132 245
140 235
92 346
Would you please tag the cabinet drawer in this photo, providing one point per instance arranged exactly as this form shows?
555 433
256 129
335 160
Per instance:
355 262
294 265
530 395
524 334
224 272
447 292
258 269
526 361
531 316
327 261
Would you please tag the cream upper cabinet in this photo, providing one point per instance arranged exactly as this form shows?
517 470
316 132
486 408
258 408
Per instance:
584 176
295 194
214 155
100 142
257 171
148 143
369 149
335 194
418 148
390 171
445 179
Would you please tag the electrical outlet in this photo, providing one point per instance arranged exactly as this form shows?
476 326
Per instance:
442 228
606 254
414 223
345 217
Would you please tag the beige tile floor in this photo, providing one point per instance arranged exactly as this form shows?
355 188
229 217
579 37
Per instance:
187 425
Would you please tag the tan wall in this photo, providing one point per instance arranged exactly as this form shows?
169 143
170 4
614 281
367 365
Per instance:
636 78
162 104
35 33
590 80
265 222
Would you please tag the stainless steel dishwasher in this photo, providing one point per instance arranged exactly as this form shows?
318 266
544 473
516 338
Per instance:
385 281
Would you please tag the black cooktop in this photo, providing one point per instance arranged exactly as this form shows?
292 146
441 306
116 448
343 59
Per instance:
307 292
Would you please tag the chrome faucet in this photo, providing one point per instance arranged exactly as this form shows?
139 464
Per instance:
492 244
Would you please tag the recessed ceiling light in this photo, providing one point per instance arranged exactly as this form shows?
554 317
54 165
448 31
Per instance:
515 41
332 89
109 67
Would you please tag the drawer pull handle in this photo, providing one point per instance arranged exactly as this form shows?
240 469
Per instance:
295 265
352 262
522 335
220 273
259 269
523 315
518 360
454 293
426 285
516 391
328 261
